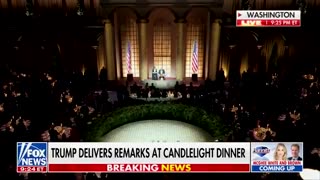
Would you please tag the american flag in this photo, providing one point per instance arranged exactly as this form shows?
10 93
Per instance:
194 60
129 68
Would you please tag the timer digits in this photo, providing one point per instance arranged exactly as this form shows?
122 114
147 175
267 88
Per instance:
31 169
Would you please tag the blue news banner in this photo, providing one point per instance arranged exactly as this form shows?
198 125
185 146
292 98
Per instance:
276 168
275 157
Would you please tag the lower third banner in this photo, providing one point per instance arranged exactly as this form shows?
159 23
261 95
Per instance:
149 157
127 168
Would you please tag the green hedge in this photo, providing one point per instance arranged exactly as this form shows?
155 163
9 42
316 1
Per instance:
195 116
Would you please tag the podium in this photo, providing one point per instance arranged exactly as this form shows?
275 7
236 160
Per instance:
194 77
154 76
129 77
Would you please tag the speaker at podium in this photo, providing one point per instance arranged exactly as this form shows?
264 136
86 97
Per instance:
129 77
194 77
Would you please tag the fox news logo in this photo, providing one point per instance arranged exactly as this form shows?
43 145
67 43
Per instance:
31 154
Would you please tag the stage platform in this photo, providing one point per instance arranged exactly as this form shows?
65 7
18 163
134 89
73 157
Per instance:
168 83
161 84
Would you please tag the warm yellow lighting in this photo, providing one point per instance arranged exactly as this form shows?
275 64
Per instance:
308 174
162 47
69 98
244 65
128 35
225 73
225 70
83 69
225 62
194 32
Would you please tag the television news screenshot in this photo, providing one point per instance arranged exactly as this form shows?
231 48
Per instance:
159 89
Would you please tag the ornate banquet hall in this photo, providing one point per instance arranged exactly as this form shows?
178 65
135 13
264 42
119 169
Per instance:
89 35
77 70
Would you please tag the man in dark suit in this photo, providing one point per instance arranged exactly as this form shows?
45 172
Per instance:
295 150
162 73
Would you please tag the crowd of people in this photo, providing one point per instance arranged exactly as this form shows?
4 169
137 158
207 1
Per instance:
44 107
59 106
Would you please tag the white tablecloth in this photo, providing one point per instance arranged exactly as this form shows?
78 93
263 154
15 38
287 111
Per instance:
156 99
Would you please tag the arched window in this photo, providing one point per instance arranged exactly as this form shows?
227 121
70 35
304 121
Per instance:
162 46
195 37
129 47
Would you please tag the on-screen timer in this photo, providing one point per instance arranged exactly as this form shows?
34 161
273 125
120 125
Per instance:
31 169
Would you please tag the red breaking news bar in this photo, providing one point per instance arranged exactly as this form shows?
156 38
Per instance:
126 168
268 23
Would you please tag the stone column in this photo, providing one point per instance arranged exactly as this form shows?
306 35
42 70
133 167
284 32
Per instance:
109 45
117 49
143 47
180 58
214 48
208 32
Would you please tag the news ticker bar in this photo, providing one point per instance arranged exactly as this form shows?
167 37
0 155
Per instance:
157 157
269 23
